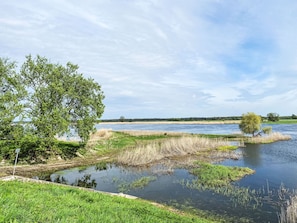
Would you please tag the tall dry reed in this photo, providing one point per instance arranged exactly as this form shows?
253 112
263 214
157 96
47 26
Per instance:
289 213
99 135
273 137
172 147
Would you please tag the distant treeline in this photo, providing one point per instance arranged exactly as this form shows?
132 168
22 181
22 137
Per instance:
229 118
172 119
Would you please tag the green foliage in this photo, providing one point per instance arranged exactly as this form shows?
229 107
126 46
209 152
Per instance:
250 123
59 98
267 130
68 150
11 93
52 99
122 119
294 116
32 202
273 117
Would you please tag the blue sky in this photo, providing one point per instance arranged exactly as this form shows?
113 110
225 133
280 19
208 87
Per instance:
166 58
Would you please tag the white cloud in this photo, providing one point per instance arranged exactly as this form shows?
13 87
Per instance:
166 58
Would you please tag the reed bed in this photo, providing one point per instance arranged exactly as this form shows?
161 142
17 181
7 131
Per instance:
288 214
273 137
101 134
169 148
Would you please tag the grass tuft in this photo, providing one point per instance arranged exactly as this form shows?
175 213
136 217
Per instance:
218 175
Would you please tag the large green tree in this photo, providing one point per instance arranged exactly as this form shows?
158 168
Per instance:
250 123
59 98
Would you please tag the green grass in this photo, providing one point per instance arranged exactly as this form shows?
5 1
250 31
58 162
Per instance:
227 148
218 175
34 202
120 141
282 121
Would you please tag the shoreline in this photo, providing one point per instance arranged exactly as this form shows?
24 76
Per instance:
175 122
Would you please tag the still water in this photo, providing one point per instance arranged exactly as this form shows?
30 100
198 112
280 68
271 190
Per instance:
275 165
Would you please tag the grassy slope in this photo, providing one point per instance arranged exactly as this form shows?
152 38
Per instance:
34 202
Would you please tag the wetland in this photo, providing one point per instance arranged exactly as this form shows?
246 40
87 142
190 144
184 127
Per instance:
259 195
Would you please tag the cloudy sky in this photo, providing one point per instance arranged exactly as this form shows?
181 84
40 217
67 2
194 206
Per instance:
166 58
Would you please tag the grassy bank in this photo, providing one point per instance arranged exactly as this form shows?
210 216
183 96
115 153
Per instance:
35 202
282 121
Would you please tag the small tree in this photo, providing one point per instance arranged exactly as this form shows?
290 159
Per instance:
250 123
273 117
267 130
294 116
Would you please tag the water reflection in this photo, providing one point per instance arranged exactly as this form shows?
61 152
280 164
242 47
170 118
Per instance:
252 155
86 181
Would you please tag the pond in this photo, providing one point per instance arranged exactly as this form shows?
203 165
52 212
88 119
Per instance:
255 198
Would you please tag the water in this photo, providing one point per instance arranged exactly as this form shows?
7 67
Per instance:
275 165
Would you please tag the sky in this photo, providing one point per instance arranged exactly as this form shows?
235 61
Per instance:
166 58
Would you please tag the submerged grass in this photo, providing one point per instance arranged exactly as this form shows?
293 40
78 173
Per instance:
218 179
142 182
217 175
124 186
35 202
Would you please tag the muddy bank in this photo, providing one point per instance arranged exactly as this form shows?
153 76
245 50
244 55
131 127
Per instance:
40 169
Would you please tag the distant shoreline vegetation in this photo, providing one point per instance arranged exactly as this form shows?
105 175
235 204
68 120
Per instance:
216 120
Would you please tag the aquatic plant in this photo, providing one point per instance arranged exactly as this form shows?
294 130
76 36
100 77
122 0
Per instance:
218 175
101 166
124 186
142 182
